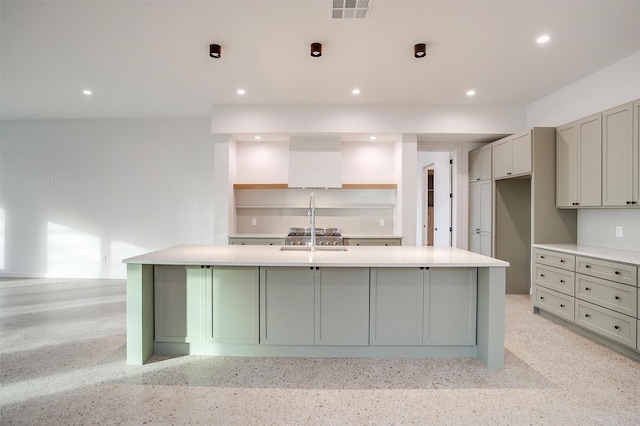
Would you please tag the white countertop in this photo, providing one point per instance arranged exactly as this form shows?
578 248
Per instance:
372 236
248 255
632 257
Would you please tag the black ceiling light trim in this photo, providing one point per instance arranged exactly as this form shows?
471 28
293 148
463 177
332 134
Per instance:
316 50
420 50
215 51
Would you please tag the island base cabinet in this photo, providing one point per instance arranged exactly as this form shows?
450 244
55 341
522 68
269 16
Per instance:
450 299
342 306
234 305
431 307
396 306
180 304
287 306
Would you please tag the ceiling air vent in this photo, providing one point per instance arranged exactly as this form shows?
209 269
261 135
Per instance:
350 9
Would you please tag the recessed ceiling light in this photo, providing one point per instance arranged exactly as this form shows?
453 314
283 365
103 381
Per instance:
257 137
356 91
543 39
372 138
471 92
240 91
87 92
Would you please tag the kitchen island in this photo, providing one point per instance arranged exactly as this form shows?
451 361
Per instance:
402 302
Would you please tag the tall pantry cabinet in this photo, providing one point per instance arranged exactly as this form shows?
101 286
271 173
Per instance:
522 202
480 201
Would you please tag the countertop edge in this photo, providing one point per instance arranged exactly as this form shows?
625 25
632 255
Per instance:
615 255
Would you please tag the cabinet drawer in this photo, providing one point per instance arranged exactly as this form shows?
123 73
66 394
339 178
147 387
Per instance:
614 271
554 258
613 325
553 302
618 297
554 278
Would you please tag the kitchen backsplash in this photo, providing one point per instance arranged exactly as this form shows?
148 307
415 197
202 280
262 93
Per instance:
597 227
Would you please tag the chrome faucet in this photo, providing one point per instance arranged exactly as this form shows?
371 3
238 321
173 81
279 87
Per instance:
312 220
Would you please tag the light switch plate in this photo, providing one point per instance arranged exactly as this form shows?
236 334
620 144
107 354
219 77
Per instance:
618 231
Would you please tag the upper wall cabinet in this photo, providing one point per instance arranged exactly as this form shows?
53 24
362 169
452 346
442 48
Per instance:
512 156
480 164
619 156
578 163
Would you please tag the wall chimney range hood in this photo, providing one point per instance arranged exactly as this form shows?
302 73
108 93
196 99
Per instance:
315 162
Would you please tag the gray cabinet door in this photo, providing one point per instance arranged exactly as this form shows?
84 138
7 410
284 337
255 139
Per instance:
450 296
578 163
521 154
617 156
502 158
396 306
287 306
342 306
234 304
180 304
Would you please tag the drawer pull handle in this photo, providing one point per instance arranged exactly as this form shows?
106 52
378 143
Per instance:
617 272
617 297
561 305
587 266
587 289
616 327
587 315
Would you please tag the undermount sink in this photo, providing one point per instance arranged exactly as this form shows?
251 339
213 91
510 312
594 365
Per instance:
318 248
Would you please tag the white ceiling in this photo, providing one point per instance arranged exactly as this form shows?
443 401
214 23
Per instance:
150 58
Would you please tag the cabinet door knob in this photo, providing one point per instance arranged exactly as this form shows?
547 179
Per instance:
587 315
542 275
617 297
587 289
561 260
562 281
561 305
541 297
541 257
617 272
587 266
616 327
628 202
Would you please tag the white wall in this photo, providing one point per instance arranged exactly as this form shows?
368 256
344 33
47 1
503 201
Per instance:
75 191
614 85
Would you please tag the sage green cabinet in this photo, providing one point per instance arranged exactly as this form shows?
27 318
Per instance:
314 306
256 241
480 164
234 304
386 241
342 306
619 157
450 299
512 156
180 304
397 304
422 306
287 306
480 210
578 163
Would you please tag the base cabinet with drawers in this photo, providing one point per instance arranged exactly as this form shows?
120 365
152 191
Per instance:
594 294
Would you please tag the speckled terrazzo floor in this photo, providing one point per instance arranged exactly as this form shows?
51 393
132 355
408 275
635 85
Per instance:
62 362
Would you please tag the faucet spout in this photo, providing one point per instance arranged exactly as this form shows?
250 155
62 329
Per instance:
312 220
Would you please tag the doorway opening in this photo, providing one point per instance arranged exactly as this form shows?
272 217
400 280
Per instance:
436 210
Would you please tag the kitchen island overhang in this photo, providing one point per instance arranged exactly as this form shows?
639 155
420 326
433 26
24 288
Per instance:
394 302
